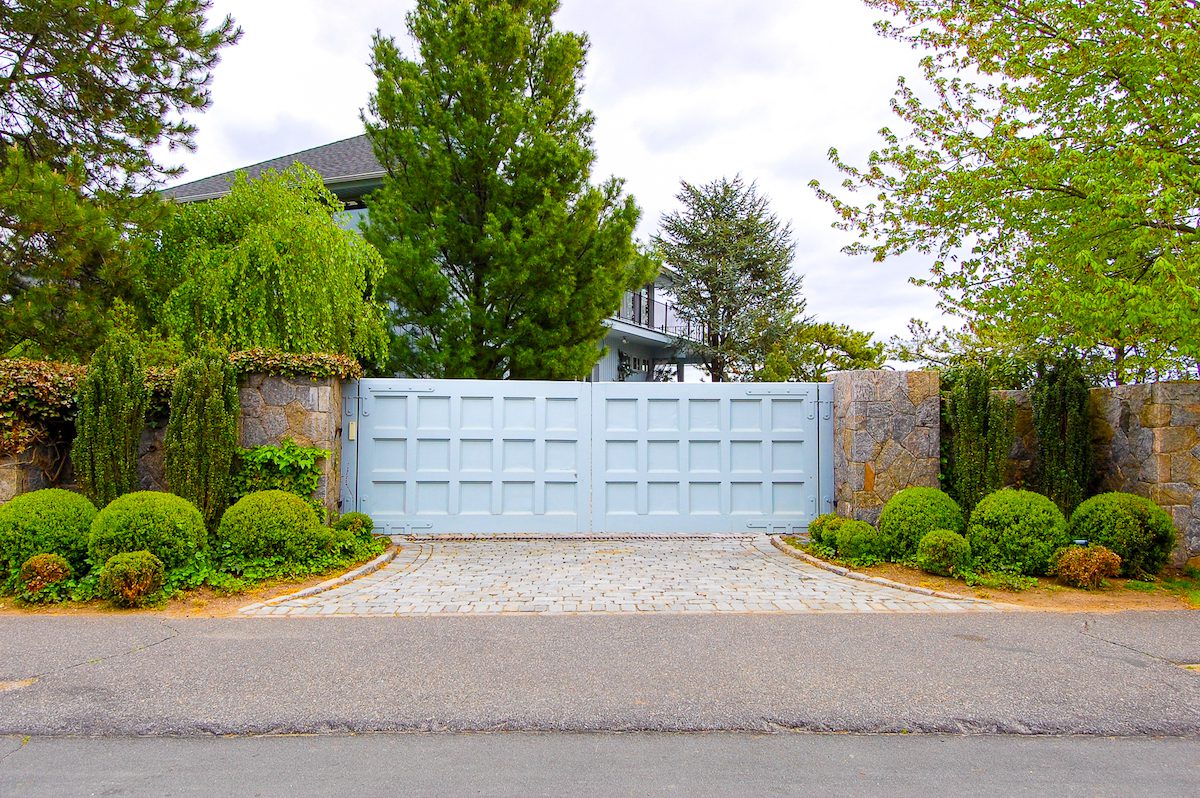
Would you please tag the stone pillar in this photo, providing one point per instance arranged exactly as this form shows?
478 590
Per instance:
306 409
885 437
1146 440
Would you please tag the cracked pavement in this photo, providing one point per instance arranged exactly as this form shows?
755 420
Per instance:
1019 673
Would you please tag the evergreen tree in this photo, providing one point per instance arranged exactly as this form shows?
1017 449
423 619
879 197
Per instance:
90 91
201 436
733 258
1063 466
981 437
502 259
108 427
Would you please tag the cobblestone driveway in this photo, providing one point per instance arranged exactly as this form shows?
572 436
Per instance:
701 574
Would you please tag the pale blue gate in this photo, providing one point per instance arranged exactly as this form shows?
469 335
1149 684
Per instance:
480 457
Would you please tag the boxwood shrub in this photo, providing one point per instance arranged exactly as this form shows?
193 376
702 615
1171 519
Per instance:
360 525
1134 528
51 521
913 513
944 552
167 526
272 523
1086 566
1016 531
130 577
823 529
859 541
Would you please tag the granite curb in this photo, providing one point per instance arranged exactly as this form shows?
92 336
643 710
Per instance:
777 542
329 584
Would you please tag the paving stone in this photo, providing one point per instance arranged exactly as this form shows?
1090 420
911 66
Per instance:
734 573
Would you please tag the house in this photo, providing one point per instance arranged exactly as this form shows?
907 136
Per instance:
643 335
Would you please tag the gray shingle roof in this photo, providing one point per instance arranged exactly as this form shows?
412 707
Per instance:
348 159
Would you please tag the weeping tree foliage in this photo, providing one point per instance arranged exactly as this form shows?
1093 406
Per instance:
201 436
1049 169
503 260
733 259
267 265
111 416
981 437
1063 466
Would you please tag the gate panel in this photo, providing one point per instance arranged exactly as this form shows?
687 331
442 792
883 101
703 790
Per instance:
707 457
474 456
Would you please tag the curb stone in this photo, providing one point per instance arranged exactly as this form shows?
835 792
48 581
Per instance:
388 555
777 542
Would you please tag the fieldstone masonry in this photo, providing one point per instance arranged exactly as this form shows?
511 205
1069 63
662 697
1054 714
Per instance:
885 437
32 469
305 409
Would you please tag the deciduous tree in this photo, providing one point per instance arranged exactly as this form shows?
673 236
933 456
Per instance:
503 260
1051 171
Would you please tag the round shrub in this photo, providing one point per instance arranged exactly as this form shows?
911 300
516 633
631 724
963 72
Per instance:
128 578
823 529
1085 566
272 523
359 525
943 552
48 521
1134 528
43 570
167 526
1016 531
858 540
913 513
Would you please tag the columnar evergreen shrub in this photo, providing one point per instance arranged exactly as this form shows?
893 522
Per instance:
128 578
911 514
108 427
51 521
981 428
1063 465
201 436
944 552
1016 531
169 527
1135 528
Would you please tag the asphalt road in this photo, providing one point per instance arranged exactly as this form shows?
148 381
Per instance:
1023 673
643 764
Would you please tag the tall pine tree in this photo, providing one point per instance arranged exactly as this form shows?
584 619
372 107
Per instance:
503 260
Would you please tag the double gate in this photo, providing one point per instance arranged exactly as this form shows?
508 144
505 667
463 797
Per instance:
574 458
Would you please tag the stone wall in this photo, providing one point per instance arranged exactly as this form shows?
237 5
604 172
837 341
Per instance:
1145 439
886 437
33 469
305 409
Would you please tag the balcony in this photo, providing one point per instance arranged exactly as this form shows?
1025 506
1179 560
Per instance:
637 308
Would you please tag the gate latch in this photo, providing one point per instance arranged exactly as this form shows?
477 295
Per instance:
352 432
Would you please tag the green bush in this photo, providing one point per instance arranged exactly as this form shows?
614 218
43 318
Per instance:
1135 528
858 541
48 521
1061 421
201 436
823 529
944 552
1016 531
130 577
1085 566
110 420
981 437
40 573
911 514
169 527
272 523
360 525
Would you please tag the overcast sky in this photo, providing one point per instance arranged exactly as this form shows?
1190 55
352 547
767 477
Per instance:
681 89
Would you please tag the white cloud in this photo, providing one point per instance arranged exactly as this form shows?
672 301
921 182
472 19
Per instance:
681 89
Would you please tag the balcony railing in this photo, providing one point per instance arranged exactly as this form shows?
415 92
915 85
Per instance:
637 308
